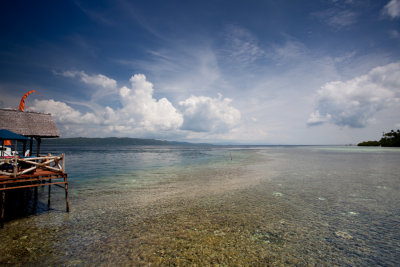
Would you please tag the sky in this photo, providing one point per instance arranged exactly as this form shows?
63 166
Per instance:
222 71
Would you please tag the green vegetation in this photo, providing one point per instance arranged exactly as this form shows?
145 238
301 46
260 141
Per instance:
389 139
369 143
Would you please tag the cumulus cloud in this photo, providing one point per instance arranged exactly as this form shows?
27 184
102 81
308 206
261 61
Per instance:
70 121
355 102
392 9
206 114
63 113
96 80
140 114
141 109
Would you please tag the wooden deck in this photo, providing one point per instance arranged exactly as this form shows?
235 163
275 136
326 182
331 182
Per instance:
38 178
33 172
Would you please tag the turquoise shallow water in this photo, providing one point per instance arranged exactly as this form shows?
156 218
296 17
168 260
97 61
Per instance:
194 205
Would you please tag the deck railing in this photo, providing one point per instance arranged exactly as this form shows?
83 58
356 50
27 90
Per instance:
19 166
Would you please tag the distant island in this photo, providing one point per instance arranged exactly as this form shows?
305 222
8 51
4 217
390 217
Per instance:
112 141
389 139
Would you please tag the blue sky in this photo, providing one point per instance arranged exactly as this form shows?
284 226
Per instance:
254 72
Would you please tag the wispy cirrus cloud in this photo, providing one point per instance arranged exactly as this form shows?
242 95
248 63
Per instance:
288 51
336 17
102 87
392 9
96 15
241 46
394 34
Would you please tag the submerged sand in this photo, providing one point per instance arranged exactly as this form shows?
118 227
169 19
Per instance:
230 213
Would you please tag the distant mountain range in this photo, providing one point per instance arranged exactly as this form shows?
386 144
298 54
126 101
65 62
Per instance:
110 141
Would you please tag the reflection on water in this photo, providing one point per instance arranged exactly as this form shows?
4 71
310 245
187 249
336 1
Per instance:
183 206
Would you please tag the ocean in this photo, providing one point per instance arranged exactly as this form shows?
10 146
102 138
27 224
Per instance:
215 205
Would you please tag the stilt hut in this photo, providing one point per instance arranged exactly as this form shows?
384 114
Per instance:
33 125
28 170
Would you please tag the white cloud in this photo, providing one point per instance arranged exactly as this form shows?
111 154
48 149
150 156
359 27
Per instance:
342 18
394 34
101 86
242 46
96 80
206 114
289 51
392 9
183 70
316 118
142 115
140 112
337 18
354 103
63 113
141 109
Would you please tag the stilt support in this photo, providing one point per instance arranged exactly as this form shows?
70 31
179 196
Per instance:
49 199
37 179
35 199
3 202
66 193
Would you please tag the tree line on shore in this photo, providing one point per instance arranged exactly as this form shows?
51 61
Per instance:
389 139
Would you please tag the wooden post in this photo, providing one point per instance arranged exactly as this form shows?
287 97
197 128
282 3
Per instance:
31 147
35 190
35 198
66 181
24 149
15 169
66 192
3 201
63 162
38 140
48 201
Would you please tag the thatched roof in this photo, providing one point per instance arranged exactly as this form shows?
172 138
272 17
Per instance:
30 124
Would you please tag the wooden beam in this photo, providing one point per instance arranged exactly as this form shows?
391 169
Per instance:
29 180
43 175
33 185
